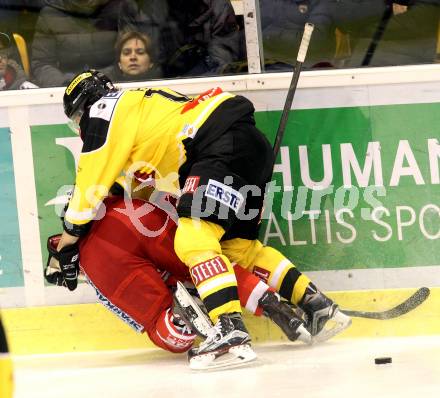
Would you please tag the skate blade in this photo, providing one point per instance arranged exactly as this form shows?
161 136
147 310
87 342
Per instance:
234 357
200 322
334 326
304 335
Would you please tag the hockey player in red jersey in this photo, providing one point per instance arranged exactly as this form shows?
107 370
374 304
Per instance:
134 276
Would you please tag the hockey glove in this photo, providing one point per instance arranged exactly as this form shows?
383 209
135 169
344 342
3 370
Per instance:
64 271
53 273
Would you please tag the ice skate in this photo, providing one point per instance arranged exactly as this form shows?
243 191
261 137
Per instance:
323 319
227 345
284 315
191 310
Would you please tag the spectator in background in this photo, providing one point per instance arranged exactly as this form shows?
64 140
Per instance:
135 59
393 32
381 32
73 35
282 23
195 37
12 76
20 16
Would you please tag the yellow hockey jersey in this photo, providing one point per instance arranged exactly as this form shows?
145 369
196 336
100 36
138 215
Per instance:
136 131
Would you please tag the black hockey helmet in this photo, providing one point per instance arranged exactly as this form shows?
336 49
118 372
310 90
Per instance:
84 90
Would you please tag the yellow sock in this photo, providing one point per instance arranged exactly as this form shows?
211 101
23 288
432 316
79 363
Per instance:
197 245
269 265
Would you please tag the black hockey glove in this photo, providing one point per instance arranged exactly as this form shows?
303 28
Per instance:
68 258
69 263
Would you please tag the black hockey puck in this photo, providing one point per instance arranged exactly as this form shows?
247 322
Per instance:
383 360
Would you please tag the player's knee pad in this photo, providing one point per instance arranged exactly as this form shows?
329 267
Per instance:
242 251
197 240
172 334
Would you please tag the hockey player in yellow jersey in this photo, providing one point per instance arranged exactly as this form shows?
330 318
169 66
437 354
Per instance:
207 150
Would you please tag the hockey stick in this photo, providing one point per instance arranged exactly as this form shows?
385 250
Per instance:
408 305
308 29
421 294
377 36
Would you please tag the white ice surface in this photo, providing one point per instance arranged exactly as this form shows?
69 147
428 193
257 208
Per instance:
336 369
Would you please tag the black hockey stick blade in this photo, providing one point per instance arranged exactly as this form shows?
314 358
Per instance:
408 305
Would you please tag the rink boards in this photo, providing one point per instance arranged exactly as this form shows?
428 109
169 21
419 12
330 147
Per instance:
91 327
355 201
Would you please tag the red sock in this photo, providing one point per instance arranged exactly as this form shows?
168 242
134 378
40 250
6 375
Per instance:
250 289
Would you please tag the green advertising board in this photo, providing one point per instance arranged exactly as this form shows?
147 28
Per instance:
356 187
54 168
366 190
